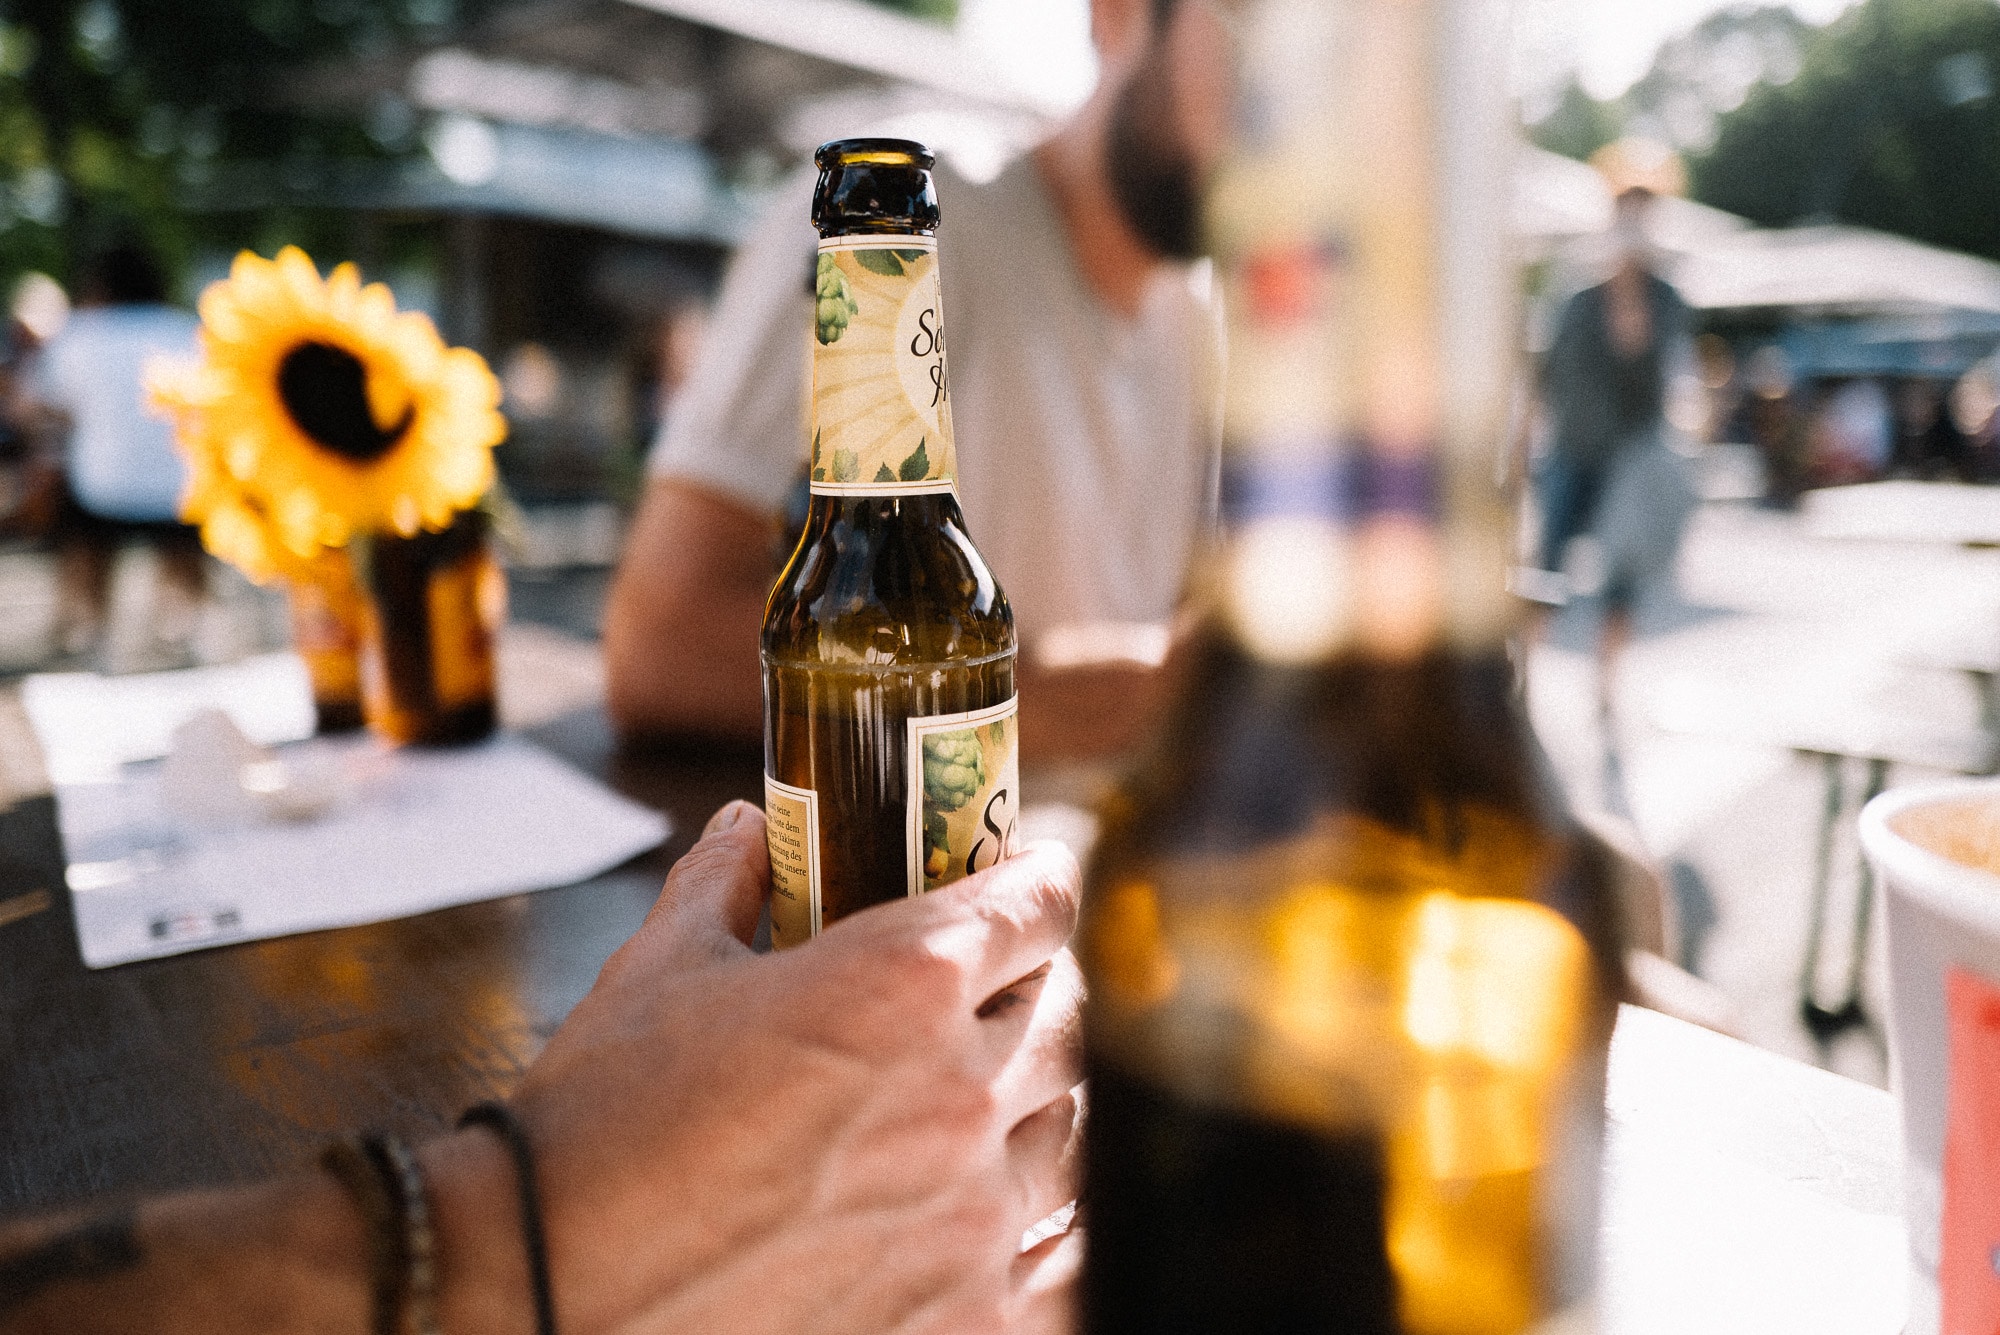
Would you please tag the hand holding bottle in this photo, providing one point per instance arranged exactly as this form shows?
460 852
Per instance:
848 1137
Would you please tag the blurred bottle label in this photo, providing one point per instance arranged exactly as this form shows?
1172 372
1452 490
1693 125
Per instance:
881 400
964 794
468 604
791 829
1969 1257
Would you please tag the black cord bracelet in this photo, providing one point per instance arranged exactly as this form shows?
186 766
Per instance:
352 1162
500 1119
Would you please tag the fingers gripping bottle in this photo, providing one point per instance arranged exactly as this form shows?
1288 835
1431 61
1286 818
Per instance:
1352 969
888 647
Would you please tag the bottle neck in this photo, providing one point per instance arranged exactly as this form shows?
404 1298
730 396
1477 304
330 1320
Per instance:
881 401
1360 228
828 512
1400 742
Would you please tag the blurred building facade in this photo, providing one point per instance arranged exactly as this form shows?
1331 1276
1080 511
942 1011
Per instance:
582 168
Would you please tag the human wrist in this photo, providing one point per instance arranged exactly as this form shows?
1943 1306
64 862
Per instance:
483 1279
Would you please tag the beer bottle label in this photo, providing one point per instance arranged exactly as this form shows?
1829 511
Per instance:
881 403
964 793
963 803
791 829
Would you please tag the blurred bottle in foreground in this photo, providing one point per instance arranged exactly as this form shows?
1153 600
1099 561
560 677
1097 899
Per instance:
1352 980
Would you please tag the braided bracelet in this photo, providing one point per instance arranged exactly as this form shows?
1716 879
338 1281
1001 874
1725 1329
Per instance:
382 1175
396 1163
500 1119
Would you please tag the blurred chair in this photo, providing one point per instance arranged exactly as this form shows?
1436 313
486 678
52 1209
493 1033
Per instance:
1652 926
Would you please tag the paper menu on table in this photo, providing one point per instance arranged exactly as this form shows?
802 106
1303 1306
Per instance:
419 830
90 725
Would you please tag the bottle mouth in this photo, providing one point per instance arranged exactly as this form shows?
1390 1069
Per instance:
874 153
880 186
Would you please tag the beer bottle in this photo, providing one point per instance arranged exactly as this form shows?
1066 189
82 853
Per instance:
888 646
1352 970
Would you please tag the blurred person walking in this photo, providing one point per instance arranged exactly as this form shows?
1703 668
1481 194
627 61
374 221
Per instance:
1085 385
124 477
1610 472
31 473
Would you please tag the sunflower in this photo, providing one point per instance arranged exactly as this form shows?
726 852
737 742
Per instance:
319 412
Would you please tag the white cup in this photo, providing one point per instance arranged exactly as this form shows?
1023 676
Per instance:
1940 914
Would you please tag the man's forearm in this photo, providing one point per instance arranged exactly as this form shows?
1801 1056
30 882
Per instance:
681 625
689 674
287 1256
1091 692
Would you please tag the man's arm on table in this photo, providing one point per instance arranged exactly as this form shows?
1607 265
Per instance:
682 623
848 1137
681 632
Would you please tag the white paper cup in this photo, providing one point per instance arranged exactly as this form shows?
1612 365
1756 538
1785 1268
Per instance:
1940 914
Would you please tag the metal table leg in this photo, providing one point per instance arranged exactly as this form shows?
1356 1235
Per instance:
1826 1022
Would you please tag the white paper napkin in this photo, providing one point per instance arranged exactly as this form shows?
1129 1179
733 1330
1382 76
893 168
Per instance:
419 830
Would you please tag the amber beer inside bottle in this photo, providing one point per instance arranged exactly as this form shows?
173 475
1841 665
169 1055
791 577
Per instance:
888 645
436 603
1352 969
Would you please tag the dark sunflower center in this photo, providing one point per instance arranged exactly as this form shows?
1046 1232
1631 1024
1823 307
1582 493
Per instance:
325 389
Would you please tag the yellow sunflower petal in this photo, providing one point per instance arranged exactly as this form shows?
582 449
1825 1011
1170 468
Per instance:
375 310
300 278
342 286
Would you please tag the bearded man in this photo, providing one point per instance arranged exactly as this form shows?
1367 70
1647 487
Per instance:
1085 380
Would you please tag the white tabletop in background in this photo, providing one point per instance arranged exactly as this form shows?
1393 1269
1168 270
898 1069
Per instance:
1935 512
1747 1194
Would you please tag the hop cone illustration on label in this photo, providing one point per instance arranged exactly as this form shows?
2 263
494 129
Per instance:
835 305
954 772
954 768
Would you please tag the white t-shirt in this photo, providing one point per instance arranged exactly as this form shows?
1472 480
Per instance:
122 460
1086 441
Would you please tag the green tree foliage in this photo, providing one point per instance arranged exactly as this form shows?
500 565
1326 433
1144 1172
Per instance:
1579 124
110 110
1707 73
1893 123
1695 80
943 11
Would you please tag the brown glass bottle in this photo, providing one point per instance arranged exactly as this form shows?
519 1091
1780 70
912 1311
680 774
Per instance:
436 603
1352 969
1312 857
888 646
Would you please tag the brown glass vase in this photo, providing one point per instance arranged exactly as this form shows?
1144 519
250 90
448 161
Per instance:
436 602
329 615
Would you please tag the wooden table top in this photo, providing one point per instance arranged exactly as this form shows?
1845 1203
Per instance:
225 1064
1746 1192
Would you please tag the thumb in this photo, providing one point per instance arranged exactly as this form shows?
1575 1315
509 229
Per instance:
715 892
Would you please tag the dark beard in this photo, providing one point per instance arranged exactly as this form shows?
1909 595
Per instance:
1152 178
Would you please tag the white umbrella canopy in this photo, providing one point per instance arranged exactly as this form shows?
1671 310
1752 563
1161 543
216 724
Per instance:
1722 262
1835 270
